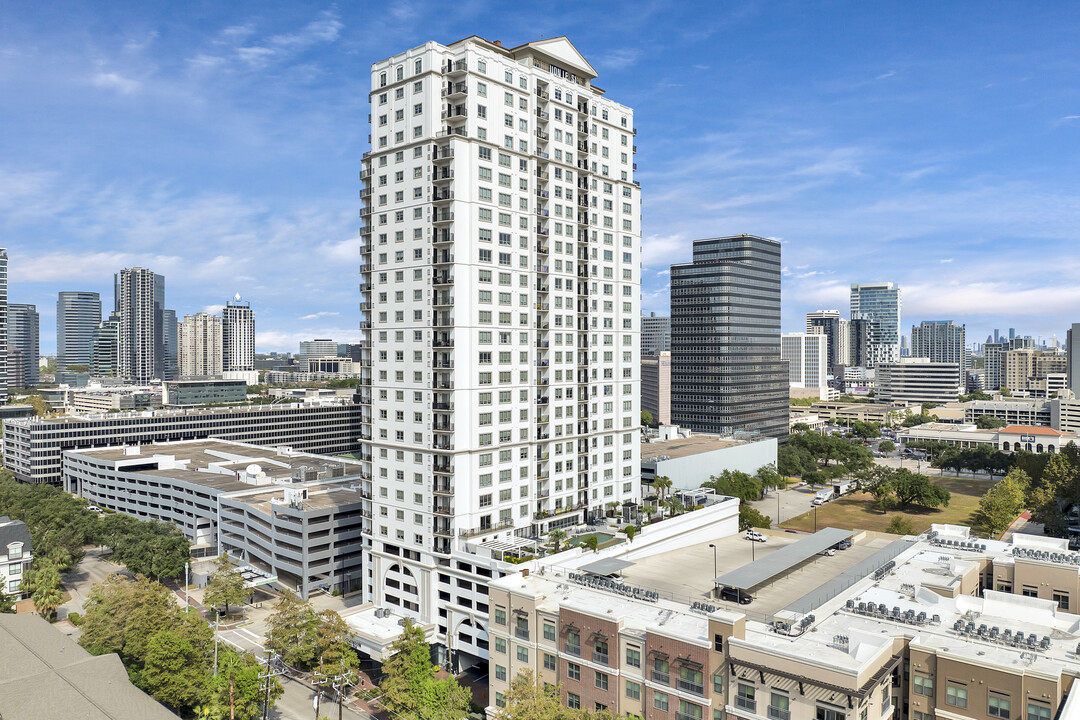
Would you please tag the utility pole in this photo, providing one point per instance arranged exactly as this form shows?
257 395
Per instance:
187 586
269 677
217 621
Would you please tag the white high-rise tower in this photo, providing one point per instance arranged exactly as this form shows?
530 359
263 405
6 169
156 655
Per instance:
500 280
238 336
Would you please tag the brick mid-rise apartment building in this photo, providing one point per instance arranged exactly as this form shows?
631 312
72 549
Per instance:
942 625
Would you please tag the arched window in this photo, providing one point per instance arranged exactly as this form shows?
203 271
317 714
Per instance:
1005 447
1027 447
1039 448
1050 449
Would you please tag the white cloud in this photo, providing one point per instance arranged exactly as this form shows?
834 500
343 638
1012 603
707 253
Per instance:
321 314
213 309
945 260
658 250
115 81
886 75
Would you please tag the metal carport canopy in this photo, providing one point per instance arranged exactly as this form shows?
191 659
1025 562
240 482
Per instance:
606 566
753 574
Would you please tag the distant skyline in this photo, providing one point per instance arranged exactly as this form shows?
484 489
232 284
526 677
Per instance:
933 146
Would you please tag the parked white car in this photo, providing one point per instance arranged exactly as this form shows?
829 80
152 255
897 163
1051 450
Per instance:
755 536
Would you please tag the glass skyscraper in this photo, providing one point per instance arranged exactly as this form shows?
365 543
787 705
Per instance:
78 315
726 371
880 303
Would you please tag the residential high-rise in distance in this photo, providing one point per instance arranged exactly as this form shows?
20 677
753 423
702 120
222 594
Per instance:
829 324
200 346
105 347
726 372
238 336
655 334
500 279
879 302
806 357
1072 348
23 333
942 341
656 386
140 303
3 324
170 342
78 314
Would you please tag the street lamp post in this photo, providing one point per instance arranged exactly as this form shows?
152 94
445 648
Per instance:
713 566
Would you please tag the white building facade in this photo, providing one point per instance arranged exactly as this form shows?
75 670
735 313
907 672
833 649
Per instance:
200 346
238 336
807 358
500 281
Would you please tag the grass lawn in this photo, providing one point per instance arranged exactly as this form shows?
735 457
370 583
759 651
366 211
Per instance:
604 539
857 511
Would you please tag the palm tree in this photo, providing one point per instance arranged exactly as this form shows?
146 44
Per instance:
662 483
592 542
557 536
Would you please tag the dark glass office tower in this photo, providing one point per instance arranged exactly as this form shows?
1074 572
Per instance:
726 371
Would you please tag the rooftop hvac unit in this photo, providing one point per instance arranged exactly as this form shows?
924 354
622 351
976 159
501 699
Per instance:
936 619
850 604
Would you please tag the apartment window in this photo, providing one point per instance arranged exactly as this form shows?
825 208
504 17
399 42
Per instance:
828 713
633 657
523 654
923 685
500 672
1061 597
573 701
691 680
500 616
744 698
549 632
718 643
573 671
1038 712
500 645
633 690
779 707
549 662
998 706
956 695
601 680
1030 591
660 701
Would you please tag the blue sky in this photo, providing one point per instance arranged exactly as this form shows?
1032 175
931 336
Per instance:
931 144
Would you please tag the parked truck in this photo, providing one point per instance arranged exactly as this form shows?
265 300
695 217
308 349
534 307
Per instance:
822 496
843 487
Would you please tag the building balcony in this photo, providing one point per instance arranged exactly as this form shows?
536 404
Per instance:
443 196
486 529
458 113
442 278
444 510
443 237
442 301
745 703
541 287
442 343
455 67
775 713
541 306
452 131
442 174
661 677
574 650
542 231
442 443
443 530
686 716
692 688
441 384
445 216
541 154
542 94
521 633
442 406
443 364
541 248
542 269
600 657
543 136
456 90
541 115
442 488
542 419
542 212
542 382
542 400
443 258
442 427
442 154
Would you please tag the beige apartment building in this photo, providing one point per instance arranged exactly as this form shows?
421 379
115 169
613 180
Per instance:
656 386
1035 371
943 625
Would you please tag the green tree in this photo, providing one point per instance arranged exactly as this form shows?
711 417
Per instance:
646 418
921 419
42 584
749 517
409 687
631 531
41 407
527 699
7 602
225 585
916 489
989 422
1003 502
336 657
557 537
887 446
174 671
122 614
237 690
292 631
866 430
800 427
591 543
662 484
793 460
736 483
900 525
